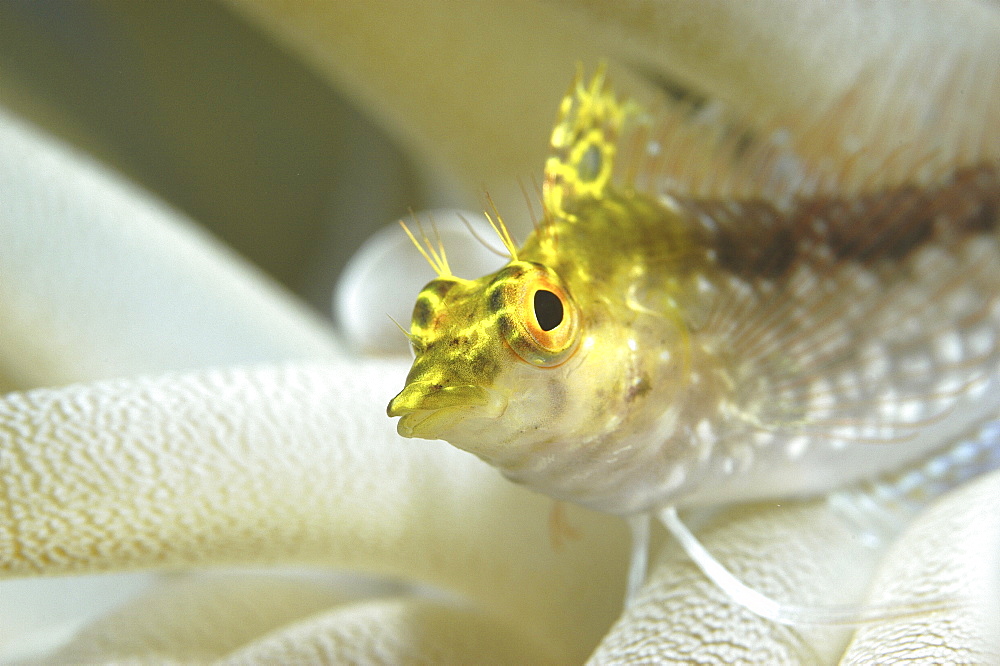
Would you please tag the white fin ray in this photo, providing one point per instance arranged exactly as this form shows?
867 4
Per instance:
784 612
876 511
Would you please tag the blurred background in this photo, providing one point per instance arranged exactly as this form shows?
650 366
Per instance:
293 130
202 109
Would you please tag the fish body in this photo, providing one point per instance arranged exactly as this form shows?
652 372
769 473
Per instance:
784 334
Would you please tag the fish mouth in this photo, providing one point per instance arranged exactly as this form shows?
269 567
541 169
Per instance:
428 410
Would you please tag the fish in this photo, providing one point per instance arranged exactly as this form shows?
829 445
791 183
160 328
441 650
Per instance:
713 311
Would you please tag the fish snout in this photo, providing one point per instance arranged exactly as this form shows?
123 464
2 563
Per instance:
428 408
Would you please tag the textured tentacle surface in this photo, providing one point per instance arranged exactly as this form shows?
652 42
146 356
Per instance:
220 618
279 465
952 549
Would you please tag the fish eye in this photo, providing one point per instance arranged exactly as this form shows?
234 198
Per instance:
541 322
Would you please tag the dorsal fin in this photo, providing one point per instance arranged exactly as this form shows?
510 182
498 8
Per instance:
583 144
904 121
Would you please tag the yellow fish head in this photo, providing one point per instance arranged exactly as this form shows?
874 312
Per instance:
480 346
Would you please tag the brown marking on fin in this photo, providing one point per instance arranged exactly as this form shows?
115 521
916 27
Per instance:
756 240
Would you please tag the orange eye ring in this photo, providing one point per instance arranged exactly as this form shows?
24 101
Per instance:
544 322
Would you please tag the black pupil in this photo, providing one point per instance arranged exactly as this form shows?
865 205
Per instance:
548 309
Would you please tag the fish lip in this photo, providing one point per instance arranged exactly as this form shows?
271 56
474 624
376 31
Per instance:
409 425
428 423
